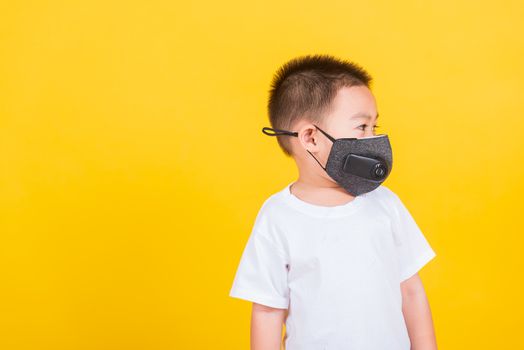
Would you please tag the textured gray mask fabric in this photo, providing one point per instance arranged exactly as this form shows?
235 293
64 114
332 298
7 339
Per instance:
359 165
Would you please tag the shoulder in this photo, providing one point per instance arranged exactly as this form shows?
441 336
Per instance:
275 203
386 198
270 222
384 194
270 211
270 205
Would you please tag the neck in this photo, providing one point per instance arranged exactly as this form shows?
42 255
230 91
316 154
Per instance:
320 191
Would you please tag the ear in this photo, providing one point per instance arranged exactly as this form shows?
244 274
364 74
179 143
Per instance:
309 137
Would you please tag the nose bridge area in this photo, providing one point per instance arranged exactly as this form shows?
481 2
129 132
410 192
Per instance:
369 132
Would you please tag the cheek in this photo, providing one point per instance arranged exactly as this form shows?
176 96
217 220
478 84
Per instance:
351 131
357 133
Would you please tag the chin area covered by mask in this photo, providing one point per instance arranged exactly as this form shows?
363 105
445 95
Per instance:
359 165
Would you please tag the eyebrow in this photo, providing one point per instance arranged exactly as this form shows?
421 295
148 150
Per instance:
362 115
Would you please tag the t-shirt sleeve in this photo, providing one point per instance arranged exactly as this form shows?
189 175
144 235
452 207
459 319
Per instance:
413 249
261 275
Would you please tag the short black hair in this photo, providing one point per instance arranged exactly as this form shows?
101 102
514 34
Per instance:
305 87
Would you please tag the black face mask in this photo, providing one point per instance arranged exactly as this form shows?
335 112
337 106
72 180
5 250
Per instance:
359 165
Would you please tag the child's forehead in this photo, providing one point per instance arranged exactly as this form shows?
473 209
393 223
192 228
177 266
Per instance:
355 102
363 115
354 96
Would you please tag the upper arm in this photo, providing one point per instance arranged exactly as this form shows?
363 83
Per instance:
412 286
264 308
277 314
268 315
266 327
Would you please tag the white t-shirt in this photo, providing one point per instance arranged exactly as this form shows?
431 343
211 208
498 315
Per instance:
336 269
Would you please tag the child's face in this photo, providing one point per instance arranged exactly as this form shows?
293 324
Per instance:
353 114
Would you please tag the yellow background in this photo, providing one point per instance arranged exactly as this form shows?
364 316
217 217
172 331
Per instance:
133 165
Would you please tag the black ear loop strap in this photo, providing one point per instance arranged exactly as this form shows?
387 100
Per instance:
279 132
327 135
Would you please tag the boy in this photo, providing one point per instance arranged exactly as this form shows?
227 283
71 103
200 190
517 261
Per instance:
335 254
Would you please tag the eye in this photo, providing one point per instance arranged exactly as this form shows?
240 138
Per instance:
363 127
